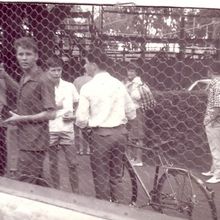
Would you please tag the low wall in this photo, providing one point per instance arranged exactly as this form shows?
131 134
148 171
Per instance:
25 201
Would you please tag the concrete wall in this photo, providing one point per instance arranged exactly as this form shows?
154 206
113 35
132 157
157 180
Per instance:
21 201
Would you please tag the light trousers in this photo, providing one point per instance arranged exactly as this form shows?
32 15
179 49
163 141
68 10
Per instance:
213 136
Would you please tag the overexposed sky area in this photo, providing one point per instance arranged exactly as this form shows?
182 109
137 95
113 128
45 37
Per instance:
175 3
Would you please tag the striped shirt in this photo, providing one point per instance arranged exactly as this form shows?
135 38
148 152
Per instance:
212 110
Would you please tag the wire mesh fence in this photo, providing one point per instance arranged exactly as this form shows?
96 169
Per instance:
173 51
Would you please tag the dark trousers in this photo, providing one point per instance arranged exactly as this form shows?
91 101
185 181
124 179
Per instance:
107 162
30 167
3 151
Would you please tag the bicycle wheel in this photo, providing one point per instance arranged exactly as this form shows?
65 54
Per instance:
129 184
179 193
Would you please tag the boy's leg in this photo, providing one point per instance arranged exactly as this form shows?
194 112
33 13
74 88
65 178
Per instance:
86 135
67 143
100 160
30 166
3 151
213 135
12 151
139 152
53 159
116 167
77 138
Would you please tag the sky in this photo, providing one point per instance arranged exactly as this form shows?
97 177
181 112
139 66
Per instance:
175 3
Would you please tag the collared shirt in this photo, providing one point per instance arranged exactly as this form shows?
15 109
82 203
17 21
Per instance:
212 110
133 90
66 93
34 96
80 81
104 102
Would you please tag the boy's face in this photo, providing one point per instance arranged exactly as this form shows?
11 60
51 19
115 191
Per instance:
27 58
55 73
131 75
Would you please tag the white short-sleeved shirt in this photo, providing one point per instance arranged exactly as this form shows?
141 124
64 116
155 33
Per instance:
104 102
66 93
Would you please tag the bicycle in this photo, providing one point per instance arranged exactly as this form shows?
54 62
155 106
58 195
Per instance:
175 190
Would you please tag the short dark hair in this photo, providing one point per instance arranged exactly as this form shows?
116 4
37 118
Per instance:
54 61
102 60
27 43
132 66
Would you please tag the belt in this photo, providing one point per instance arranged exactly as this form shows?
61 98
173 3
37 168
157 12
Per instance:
109 128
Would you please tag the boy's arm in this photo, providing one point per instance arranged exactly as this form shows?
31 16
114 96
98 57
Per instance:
82 112
42 116
10 82
49 107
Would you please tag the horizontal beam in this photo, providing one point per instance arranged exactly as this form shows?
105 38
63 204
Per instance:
215 4
141 39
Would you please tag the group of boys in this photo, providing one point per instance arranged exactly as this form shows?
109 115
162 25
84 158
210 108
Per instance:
41 98
46 109
49 107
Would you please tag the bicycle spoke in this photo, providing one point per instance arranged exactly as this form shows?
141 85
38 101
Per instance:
180 194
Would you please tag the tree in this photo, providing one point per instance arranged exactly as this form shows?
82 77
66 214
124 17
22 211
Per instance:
40 20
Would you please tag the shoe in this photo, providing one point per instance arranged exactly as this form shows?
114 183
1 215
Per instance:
209 173
132 161
213 179
81 152
114 200
87 152
138 164
135 162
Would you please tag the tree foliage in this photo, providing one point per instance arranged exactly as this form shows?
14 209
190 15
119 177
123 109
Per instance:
41 22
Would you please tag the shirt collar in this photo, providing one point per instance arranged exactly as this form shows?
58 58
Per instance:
102 74
60 83
34 76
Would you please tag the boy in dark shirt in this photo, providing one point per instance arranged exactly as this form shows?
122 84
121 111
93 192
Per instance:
35 107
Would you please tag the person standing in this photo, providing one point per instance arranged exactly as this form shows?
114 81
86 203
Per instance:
3 103
105 106
9 88
61 128
136 127
212 125
82 136
35 107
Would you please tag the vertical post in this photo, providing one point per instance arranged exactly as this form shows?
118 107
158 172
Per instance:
101 16
182 37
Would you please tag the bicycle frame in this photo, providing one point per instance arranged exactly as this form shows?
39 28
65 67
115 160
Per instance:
156 175
166 167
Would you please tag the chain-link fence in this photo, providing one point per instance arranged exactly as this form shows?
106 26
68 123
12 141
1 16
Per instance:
175 51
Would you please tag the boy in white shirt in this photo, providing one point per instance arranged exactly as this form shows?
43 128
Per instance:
61 128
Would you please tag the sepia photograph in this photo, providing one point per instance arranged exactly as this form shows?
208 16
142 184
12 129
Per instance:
109 110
